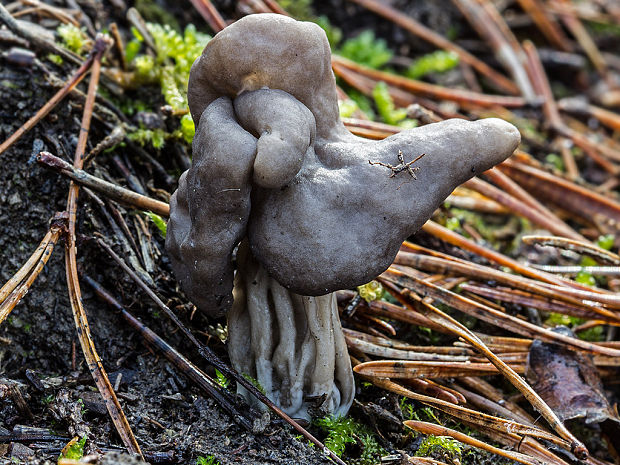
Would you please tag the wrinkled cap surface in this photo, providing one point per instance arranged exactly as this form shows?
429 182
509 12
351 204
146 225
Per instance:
272 161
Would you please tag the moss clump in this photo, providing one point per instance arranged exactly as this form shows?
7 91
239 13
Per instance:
366 50
74 38
170 67
388 111
444 445
342 431
436 62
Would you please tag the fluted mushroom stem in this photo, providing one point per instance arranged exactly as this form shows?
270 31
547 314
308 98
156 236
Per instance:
291 344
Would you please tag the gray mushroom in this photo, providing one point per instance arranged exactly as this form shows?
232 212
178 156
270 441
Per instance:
315 208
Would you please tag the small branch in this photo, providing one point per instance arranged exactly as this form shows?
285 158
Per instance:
552 223
402 166
106 188
11 293
585 248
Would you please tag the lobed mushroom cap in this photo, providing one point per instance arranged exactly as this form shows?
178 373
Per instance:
273 162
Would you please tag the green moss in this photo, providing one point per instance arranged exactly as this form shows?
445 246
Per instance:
175 53
583 277
366 50
75 451
342 431
445 445
221 379
187 128
556 161
153 13
56 59
74 38
208 460
436 62
255 382
298 9
606 242
371 291
154 137
159 222
334 34
386 108
362 102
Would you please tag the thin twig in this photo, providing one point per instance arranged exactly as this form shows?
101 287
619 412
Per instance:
75 296
584 248
418 87
108 189
209 14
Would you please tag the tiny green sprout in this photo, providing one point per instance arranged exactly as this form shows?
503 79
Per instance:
347 108
583 277
56 59
131 50
187 128
83 408
407 409
387 110
436 62
75 451
606 242
159 222
255 382
370 291
366 50
556 161
221 379
208 460
444 444
453 223
74 38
